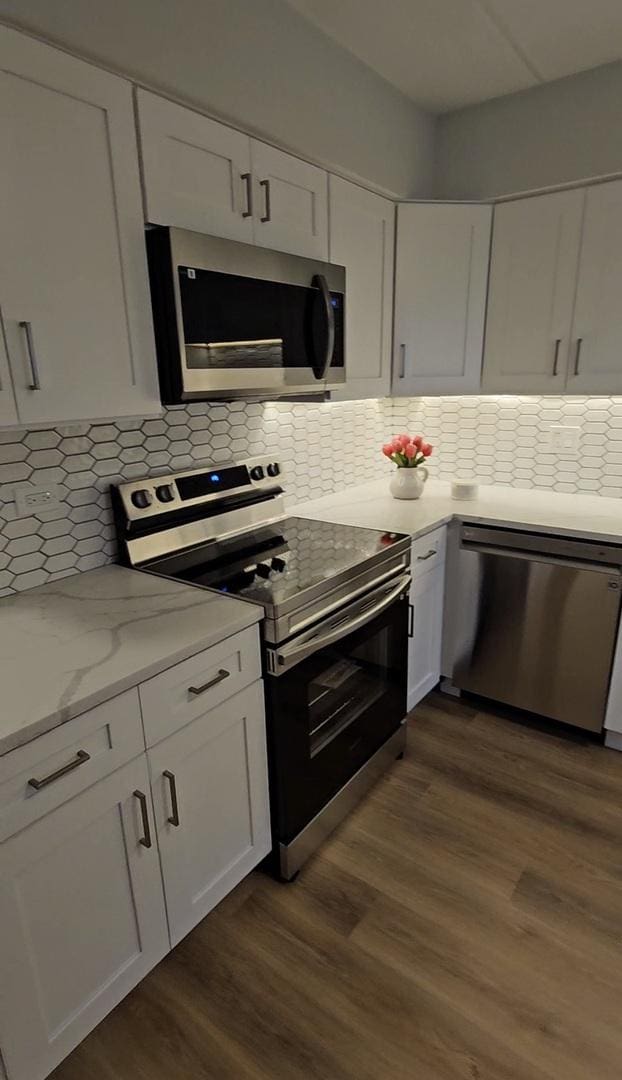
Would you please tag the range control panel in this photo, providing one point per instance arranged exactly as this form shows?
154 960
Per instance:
193 487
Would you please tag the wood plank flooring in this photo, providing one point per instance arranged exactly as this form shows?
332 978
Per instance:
465 923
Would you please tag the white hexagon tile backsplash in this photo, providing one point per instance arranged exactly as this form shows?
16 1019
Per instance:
323 448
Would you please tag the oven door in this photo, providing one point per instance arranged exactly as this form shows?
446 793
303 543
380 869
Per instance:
339 695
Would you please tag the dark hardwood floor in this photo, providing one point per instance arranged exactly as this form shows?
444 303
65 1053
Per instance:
465 923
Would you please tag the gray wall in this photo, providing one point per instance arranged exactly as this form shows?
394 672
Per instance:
567 130
257 63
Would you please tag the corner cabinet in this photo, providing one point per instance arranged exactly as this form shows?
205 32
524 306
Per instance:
361 238
73 279
202 175
441 278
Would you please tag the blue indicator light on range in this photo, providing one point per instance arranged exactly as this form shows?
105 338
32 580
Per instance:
215 478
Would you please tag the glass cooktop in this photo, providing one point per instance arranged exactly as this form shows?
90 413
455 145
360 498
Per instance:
275 563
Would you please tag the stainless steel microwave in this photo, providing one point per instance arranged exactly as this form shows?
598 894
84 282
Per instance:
232 320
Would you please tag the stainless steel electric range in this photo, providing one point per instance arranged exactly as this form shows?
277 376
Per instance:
335 631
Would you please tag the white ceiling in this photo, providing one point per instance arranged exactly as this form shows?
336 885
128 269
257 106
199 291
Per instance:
445 54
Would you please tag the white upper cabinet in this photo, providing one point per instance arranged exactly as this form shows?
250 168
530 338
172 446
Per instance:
73 280
291 203
595 365
196 172
440 297
362 228
202 175
533 274
8 408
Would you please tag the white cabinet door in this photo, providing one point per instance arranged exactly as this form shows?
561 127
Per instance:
8 408
73 279
596 351
196 172
210 791
82 920
291 203
425 634
440 297
533 272
362 228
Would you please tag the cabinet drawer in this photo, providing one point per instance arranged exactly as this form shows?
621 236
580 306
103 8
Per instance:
171 700
428 552
36 778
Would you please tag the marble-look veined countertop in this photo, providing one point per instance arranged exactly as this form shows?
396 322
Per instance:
370 505
71 644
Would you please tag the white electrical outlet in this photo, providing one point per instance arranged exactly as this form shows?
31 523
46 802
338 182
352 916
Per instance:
31 500
563 439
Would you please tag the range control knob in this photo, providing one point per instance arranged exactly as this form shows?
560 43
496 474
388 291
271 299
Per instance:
257 472
263 569
165 493
274 469
142 498
279 564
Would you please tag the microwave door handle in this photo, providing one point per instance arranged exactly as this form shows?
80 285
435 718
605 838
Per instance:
294 654
320 283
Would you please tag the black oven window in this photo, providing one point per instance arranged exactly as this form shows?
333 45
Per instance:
344 687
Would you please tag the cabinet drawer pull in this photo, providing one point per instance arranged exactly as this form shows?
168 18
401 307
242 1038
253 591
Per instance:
79 759
577 355
196 690
174 818
248 180
402 361
265 184
145 839
411 621
35 383
422 558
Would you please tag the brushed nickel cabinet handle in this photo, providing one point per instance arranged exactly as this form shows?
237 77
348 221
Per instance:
558 342
248 180
79 760
411 621
422 558
196 690
174 818
265 184
145 839
577 355
35 378
402 361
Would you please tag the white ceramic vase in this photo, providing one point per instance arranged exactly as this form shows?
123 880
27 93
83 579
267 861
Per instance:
408 483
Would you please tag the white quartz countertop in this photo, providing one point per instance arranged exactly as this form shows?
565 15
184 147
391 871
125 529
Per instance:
370 505
69 645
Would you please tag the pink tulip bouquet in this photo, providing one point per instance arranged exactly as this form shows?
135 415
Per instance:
407 451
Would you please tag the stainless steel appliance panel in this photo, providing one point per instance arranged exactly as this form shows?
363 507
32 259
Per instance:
233 320
535 628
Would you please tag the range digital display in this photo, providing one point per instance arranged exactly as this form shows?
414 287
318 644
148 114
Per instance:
211 481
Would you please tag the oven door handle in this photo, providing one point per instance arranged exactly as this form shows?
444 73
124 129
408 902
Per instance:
292 655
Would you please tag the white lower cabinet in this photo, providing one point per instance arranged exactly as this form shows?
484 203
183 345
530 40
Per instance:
425 633
82 919
210 792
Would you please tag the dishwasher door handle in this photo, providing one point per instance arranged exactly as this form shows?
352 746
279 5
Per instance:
541 557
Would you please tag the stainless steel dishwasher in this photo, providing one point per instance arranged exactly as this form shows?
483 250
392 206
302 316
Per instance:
532 621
